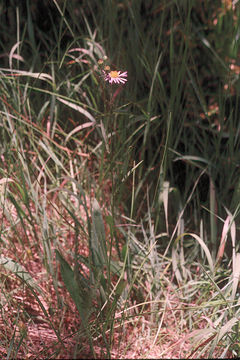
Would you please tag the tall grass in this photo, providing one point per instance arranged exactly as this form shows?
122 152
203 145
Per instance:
120 205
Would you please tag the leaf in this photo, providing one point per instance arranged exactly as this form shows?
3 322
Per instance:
98 240
227 328
20 272
205 249
77 108
163 197
236 275
78 128
202 244
120 287
40 76
73 287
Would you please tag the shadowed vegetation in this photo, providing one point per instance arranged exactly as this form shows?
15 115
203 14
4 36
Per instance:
119 202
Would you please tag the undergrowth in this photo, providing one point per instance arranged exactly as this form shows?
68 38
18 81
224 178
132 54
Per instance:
119 201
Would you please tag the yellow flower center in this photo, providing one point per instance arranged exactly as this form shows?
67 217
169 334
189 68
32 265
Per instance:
113 74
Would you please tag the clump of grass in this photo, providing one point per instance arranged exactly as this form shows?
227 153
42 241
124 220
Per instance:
120 202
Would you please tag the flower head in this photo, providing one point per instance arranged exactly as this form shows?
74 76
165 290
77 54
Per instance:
116 77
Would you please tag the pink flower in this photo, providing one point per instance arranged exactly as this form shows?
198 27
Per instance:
115 77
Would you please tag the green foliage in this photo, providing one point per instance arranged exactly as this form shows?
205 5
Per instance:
20 272
76 290
144 175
